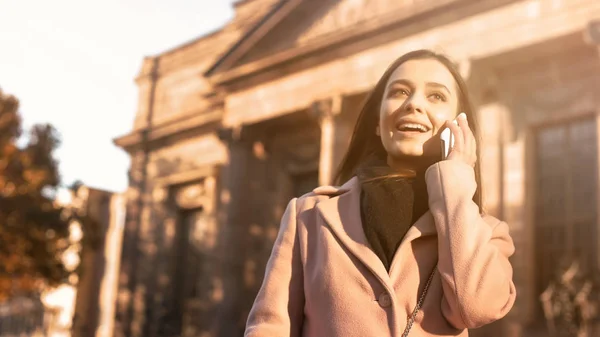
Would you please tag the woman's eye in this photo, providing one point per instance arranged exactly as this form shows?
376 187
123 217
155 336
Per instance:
398 92
438 97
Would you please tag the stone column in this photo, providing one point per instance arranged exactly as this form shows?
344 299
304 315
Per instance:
326 111
130 315
126 283
242 207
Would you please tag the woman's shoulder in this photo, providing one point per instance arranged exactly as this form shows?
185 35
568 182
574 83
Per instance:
324 192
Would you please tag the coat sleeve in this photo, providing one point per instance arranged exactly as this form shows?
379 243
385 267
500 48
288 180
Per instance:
279 306
473 251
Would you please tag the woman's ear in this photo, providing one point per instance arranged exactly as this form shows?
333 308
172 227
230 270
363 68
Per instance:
377 131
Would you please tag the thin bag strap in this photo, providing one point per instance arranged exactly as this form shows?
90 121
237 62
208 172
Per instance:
411 318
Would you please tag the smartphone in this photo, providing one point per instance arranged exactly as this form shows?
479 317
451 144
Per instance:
447 141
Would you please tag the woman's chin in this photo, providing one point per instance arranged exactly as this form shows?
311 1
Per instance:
418 155
408 149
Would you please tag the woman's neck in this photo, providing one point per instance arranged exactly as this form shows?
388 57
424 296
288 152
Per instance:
409 164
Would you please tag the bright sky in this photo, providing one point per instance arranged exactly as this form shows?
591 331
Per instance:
73 63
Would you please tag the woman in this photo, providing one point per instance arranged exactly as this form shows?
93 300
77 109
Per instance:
402 248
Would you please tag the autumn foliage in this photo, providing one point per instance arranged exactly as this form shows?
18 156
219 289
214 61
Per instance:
34 230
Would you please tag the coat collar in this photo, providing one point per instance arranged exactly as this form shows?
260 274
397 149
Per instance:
342 213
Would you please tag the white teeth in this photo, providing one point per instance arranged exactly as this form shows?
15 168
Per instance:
412 126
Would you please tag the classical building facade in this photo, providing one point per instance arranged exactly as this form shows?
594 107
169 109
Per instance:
232 125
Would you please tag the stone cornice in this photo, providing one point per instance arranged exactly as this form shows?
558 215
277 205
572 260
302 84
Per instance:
169 128
343 36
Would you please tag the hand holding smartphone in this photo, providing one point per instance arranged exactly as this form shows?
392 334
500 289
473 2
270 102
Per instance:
467 150
447 141
447 138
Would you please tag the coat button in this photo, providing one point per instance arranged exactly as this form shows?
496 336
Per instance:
385 300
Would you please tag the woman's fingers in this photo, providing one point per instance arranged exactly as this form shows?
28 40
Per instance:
457 133
470 138
464 126
465 146
466 132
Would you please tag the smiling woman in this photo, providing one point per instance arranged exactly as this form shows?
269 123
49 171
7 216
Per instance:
402 247
420 88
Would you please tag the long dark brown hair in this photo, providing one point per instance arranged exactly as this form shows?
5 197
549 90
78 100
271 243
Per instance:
365 144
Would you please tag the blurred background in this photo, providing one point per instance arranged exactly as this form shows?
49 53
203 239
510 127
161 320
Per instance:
148 149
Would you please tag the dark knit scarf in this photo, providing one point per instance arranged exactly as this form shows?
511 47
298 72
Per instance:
389 207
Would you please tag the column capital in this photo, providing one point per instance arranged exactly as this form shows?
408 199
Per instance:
233 134
327 107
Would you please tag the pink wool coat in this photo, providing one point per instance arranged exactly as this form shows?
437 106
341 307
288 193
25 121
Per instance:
323 279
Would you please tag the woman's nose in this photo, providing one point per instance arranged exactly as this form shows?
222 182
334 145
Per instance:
414 104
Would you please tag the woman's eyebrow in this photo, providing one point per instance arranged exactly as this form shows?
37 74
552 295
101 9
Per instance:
410 84
438 85
401 81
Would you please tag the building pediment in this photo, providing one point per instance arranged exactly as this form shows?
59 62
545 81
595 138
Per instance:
299 27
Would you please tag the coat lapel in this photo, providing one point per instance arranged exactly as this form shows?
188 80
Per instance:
424 227
342 214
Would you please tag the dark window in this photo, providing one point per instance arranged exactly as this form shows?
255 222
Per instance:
566 197
197 278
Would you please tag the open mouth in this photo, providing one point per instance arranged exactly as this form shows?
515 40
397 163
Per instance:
411 127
